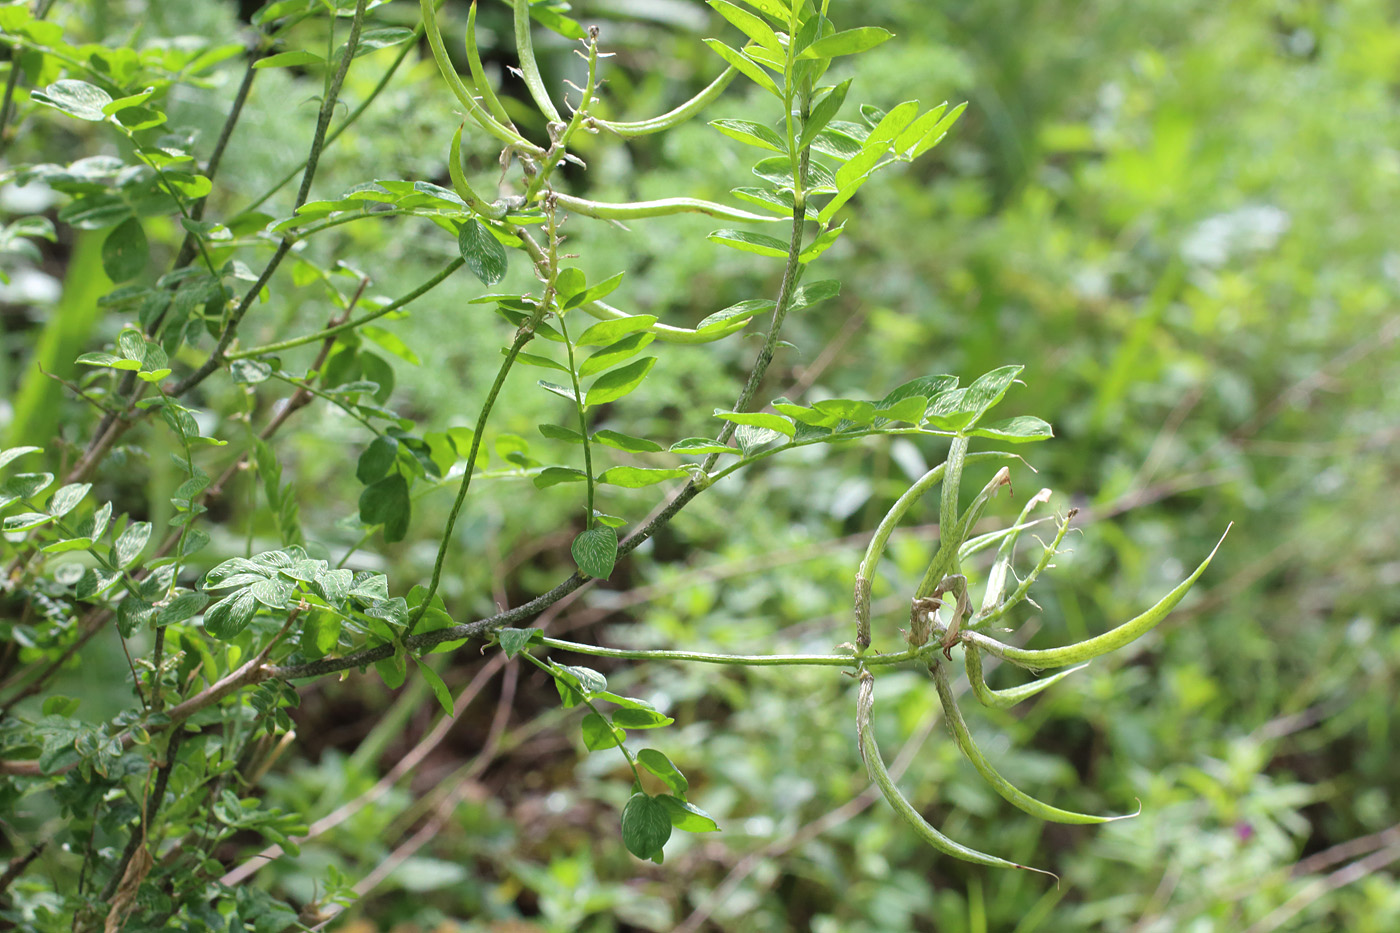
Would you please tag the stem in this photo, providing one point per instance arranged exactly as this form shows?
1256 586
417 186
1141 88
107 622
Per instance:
529 69
216 157
522 337
318 142
354 115
582 423
350 325
738 660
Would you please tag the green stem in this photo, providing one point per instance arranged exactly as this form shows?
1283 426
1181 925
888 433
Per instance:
792 272
582 422
354 115
522 337
529 68
738 660
353 324
318 142
560 145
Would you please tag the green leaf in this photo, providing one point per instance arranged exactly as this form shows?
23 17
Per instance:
75 98
125 251
393 671
1019 430
514 640
807 295
444 696
598 733
751 437
595 292
750 25
25 521
687 817
182 607
7 456
133 100
482 252
745 66
568 283
634 445
909 409
637 477
607 332
614 353
961 409
391 342
821 244
917 130
553 476
249 371
634 718
646 825
753 134
759 419
847 42
561 391
658 764
130 544
230 615
613 385
744 309
700 445
66 499
823 113
558 433
934 136
132 615
273 593
595 551
530 359
297 57
759 243
131 345
386 502
376 459
846 409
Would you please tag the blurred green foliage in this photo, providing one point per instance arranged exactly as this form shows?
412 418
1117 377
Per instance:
1178 214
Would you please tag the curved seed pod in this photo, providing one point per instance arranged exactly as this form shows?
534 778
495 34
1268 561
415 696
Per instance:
987 616
1100 645
946 560
1005 699
1001 567
865 573
529 68
871 753
980 543
636 210
459 179
460 90
606 312
673 117
479 74
1017 798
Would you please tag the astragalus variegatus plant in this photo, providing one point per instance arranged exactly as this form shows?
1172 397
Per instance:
146 807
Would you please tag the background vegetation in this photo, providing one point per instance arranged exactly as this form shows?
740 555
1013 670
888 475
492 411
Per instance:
1178 214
